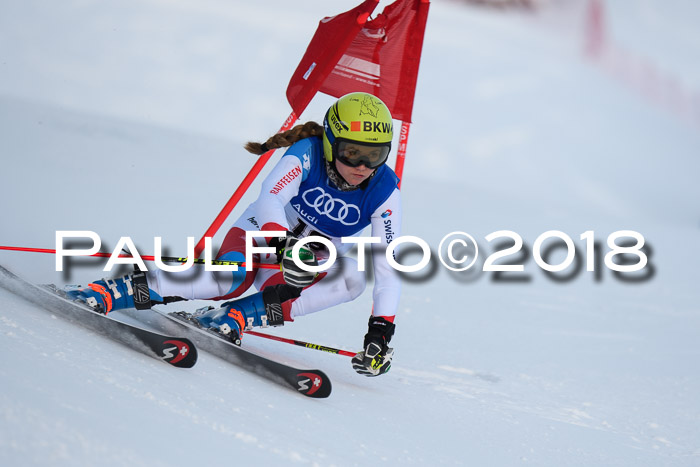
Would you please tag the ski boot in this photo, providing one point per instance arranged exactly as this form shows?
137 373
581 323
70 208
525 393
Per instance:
261 309
108 295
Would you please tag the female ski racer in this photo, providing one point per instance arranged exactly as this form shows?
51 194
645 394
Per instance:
332 182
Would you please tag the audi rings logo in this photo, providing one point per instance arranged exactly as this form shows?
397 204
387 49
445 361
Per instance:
333 208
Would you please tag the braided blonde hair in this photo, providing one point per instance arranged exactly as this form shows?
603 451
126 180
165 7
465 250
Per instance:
285 139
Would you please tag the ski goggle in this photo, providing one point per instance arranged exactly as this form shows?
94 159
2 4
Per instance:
354 154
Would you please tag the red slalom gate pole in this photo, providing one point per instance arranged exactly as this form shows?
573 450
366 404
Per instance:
241 190
401 153
308 345
595 29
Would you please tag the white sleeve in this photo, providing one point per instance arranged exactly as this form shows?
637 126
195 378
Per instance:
386 224
278 188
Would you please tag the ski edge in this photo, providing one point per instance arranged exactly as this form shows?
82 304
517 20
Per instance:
180 352
308 382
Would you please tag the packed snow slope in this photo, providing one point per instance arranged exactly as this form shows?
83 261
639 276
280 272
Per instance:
128 119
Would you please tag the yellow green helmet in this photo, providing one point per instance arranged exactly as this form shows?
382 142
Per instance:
358 129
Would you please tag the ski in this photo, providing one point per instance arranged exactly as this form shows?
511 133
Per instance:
310 383
178 351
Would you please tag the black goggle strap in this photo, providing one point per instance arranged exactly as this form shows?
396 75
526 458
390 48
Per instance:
327 129
327 126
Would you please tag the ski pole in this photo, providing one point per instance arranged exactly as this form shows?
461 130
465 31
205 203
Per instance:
308 345
165 259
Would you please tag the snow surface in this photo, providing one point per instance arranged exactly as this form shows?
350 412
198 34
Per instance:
127 118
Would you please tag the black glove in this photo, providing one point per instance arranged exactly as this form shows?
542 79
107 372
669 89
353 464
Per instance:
376 357
293 274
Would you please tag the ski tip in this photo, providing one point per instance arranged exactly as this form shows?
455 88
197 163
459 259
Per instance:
314 383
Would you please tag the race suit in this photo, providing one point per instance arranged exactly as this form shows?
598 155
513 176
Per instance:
298 196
